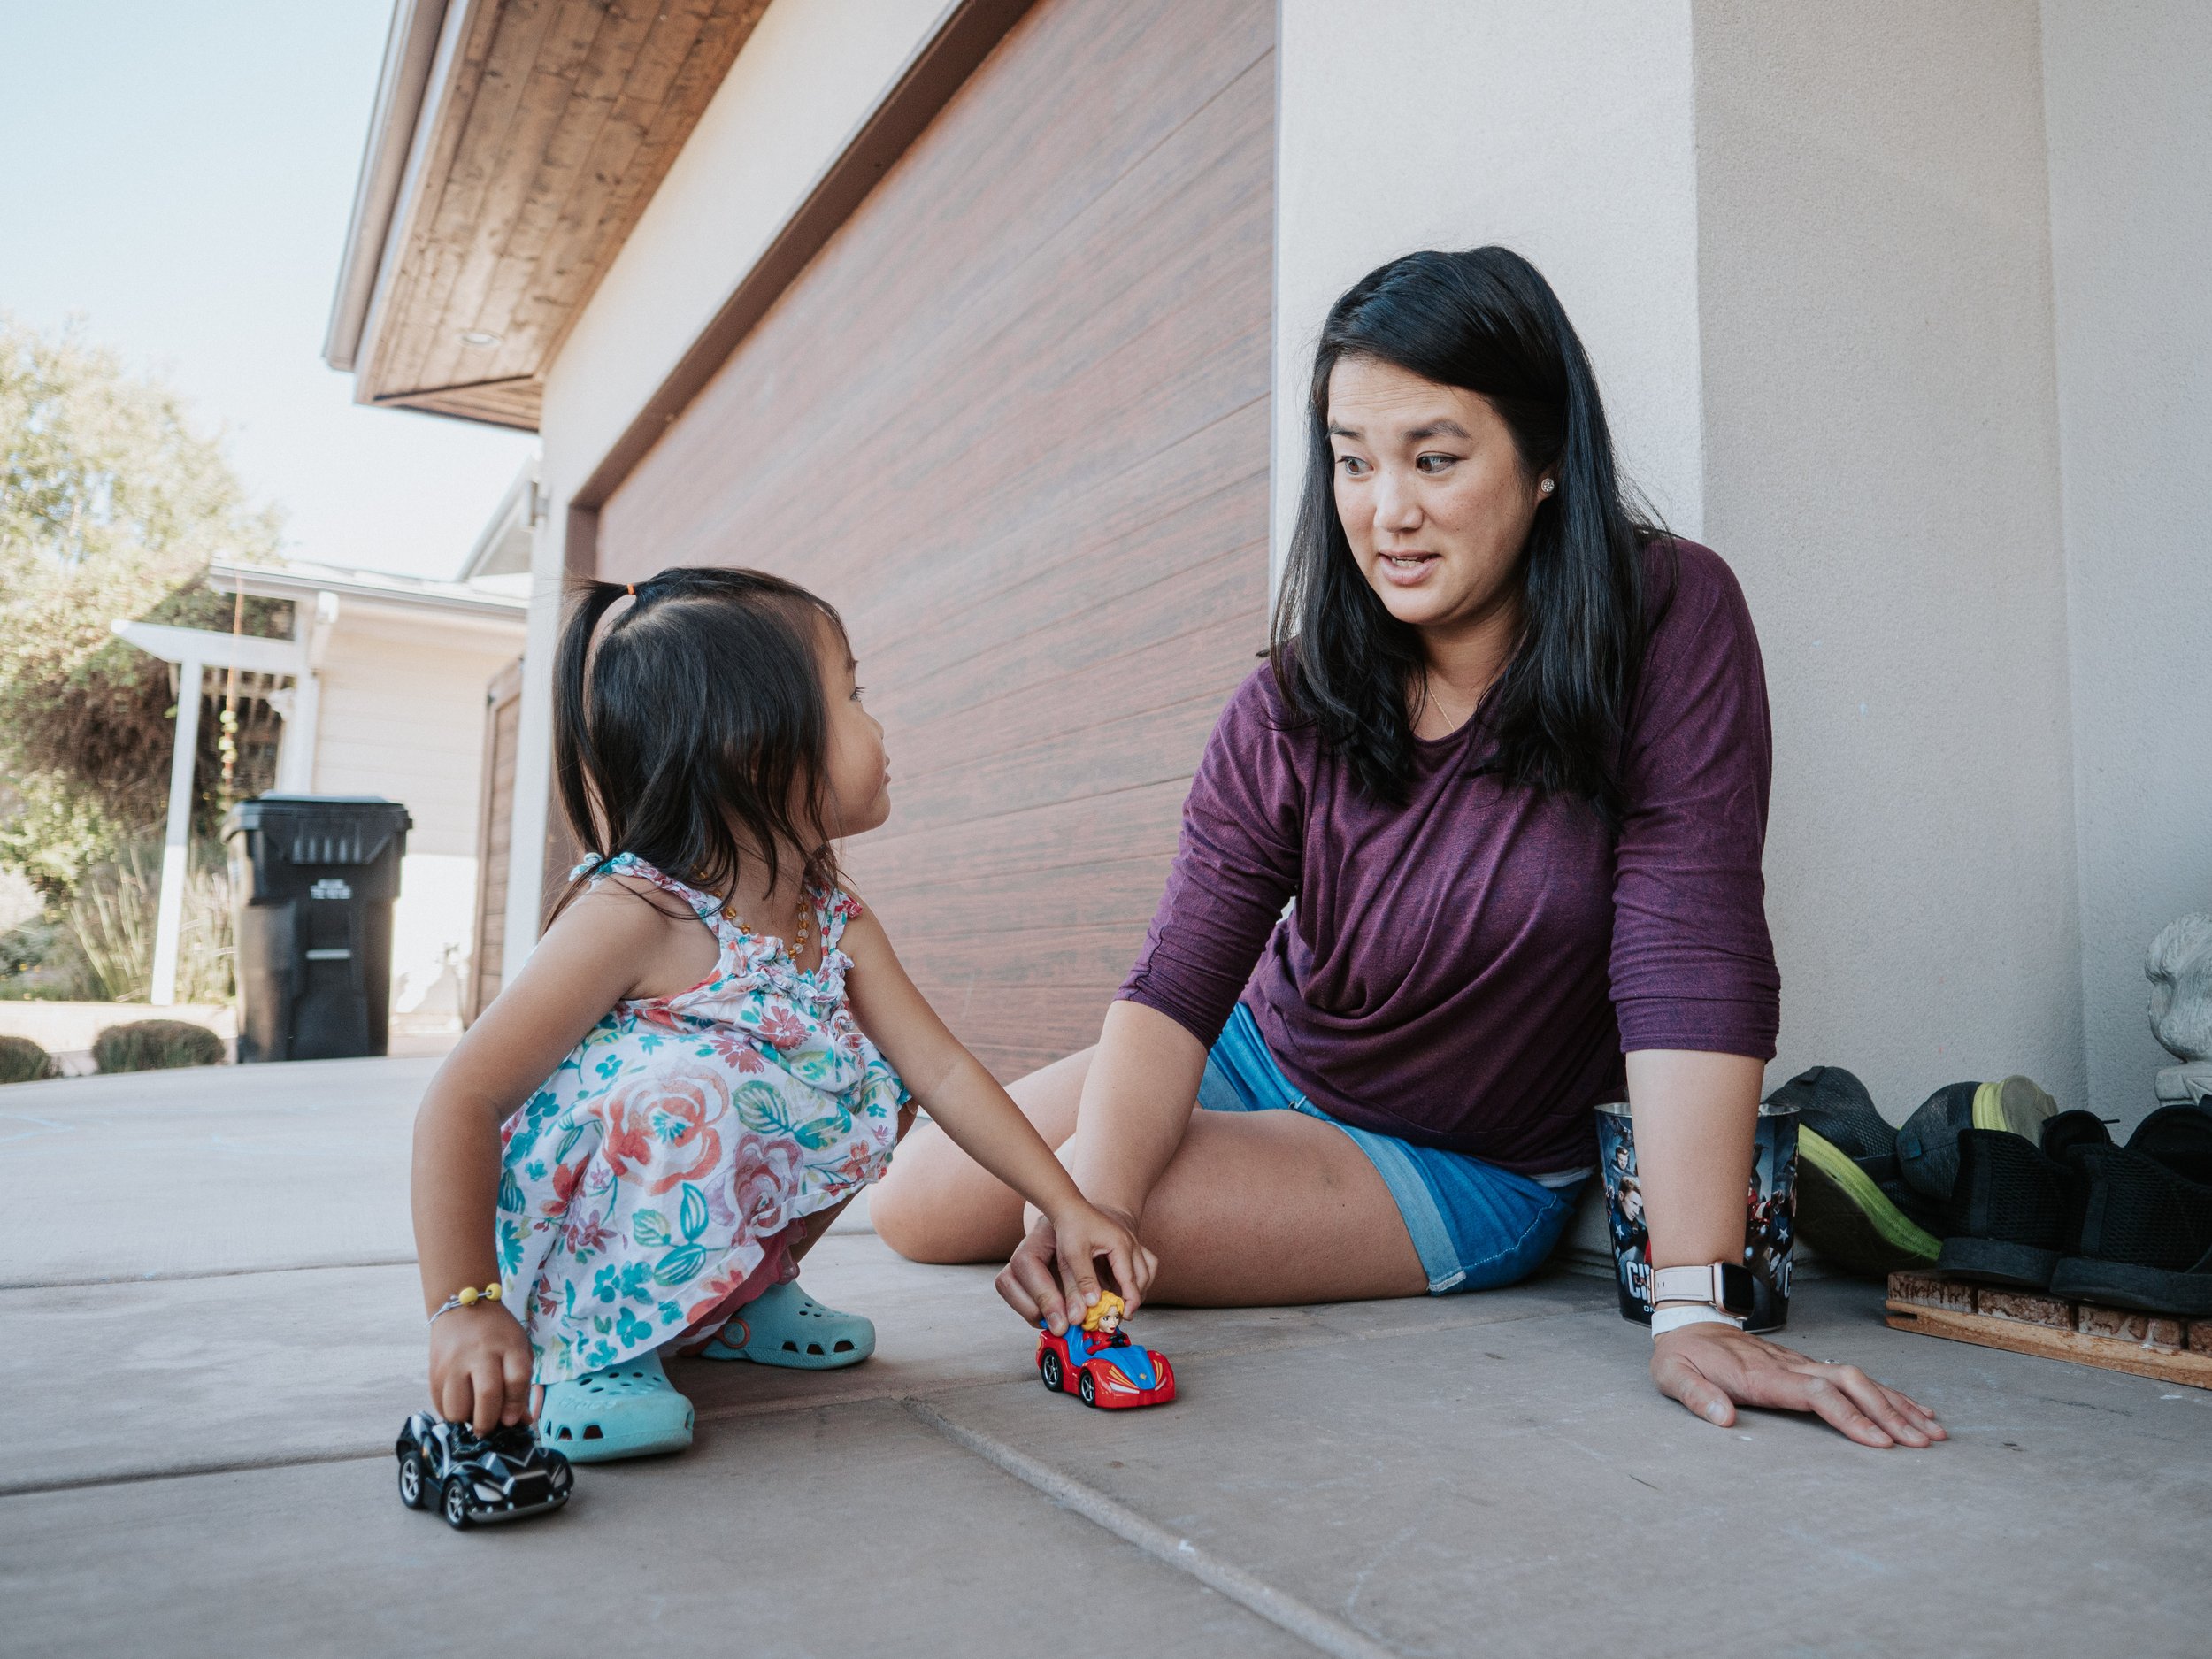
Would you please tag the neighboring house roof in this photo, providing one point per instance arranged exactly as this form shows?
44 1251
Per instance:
512 145
503 548
377 590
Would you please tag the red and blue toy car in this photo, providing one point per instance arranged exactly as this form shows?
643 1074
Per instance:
1098 1364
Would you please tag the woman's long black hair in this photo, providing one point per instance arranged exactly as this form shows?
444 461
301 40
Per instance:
696 734
1485 320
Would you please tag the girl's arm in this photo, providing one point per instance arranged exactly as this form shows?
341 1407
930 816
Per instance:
606 946
968 1103
1137 1102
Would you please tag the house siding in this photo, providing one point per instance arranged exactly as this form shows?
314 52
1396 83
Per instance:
1013 422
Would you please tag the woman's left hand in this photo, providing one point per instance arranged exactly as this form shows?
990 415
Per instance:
1712 1369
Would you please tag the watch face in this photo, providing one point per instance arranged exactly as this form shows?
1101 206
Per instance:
1736 1289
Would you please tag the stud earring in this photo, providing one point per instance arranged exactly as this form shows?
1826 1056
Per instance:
1545 489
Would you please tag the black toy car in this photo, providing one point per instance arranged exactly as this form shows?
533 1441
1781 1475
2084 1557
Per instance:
499 1477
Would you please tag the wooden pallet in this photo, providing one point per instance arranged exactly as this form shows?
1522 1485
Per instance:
2028 1322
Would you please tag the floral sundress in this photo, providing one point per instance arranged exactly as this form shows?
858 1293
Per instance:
650 1176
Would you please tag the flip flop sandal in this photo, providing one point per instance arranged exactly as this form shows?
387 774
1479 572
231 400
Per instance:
784 1325
627 1410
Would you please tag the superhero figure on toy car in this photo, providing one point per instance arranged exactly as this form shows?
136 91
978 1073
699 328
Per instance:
1098 1364
505 1475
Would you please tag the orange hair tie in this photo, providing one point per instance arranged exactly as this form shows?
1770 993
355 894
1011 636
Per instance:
630 588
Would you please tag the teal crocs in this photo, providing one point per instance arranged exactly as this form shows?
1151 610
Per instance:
627 1410
784 1325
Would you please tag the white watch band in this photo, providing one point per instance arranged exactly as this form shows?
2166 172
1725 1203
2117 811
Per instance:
1687 1284
1682 1313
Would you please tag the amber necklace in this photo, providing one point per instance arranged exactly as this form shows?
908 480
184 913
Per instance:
800 924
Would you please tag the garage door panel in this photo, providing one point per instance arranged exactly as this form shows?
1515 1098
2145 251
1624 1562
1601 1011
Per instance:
1031 613
1102 757
1109 384
1035 716
1084 547
1072 835
1013 421
1099 95
1115 894
1118 346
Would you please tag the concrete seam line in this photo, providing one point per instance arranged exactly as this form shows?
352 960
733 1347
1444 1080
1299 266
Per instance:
1310 1624
185 1472
160 1278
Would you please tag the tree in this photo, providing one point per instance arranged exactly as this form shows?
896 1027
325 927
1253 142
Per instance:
112 505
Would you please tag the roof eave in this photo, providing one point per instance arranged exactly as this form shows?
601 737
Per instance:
411 54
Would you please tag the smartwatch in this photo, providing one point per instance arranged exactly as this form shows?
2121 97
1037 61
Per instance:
1723 1285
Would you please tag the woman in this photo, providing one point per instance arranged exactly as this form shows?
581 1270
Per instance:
1507 764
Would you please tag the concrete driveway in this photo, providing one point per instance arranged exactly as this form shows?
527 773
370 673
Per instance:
212 1332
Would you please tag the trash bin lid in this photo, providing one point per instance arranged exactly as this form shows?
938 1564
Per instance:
322 829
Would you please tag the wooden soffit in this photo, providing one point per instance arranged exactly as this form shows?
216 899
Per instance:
546 129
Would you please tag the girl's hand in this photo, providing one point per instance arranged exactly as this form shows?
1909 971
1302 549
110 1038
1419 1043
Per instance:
1053 1273
1712 1369
480 1367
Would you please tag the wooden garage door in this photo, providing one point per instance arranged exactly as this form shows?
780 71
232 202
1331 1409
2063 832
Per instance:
494 838
1013 422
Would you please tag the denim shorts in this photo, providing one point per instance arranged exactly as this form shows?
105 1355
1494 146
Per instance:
1476 1227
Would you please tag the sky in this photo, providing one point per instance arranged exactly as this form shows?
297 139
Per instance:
181 175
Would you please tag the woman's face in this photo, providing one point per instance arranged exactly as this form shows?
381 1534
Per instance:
1430 491
859 770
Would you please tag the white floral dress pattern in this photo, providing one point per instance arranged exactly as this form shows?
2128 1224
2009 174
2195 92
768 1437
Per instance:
650 1176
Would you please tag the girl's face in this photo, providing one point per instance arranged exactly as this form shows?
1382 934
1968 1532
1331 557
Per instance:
859 770
1430 491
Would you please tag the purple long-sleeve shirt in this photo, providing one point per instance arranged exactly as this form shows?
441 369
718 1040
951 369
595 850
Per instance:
1466 971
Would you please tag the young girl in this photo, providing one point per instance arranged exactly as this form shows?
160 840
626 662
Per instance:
703 1060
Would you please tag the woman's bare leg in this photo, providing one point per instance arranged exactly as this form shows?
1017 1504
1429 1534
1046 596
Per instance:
1255 1209
937 1204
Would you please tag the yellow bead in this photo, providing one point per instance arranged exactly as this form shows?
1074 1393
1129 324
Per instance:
468 1296
491 1293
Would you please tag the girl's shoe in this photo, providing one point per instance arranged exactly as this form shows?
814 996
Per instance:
784 1325
627 1410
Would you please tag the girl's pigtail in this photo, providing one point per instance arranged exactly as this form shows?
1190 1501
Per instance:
574 760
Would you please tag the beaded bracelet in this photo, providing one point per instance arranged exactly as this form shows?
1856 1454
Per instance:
468 1296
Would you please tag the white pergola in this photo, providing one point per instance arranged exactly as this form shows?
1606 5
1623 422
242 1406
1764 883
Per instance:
316 593
194 651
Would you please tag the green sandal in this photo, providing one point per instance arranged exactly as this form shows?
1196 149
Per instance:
627 1410
784 1325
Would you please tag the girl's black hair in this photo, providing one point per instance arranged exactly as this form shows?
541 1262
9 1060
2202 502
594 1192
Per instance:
1485 320
695 735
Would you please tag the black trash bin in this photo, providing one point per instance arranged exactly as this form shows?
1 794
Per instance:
312 879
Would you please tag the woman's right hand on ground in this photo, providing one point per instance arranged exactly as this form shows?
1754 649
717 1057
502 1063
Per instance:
480 1367
1712 1369
1053 1273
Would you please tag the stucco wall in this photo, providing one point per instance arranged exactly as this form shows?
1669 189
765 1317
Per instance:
1807 248
2127 95
807 79
1562 131
1881 470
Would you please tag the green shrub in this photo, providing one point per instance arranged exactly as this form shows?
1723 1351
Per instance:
23 1061
155 1045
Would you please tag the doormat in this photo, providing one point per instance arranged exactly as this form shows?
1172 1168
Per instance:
2033 1322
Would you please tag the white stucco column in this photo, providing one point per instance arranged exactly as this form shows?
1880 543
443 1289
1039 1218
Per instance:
176 841
1807 250
1566 132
